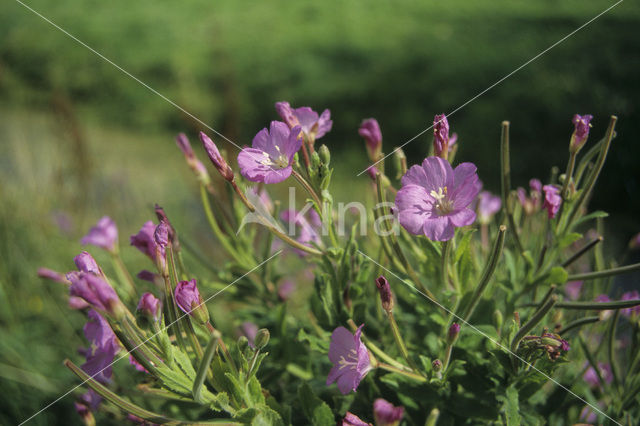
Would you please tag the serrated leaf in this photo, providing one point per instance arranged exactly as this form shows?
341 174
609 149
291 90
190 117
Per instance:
184 363
316 410
512 407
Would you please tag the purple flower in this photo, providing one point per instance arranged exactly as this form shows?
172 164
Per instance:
452 334
308 226
372 171
286 289
161 238
536 186
580 132
440 136
189 300
591 377
552 200
216 158
314 126
149 305
631 295
386 297
488 205
434 198
144 240
588 415
104 346
96 292
271 156
370 131
249 330
88 402
351 419
635 242
86 263
148 276
573 289
104 235
452 140
386 414
350 359
50 274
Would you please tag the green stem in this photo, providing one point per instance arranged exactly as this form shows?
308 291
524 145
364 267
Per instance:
399 341
124 275
578 323
582 251
204 367
134 409
223 346
506 182
612 341
535 319
444 266
567 177
487 273
393 369
606 273
309 189
596 306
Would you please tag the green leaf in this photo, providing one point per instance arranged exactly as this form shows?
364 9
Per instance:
184 363
463 246
568 239
557 275
316 410
594 215
315 343
511 406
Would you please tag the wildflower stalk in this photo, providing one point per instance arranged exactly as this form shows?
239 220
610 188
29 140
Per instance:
204 367
547 296
564 192
444 267
400 341
123 273
612 341
582 251
393 369
593 306
605 273
586 158
506 182
376 350
134 409
309 189
591 360
535 319
578 323
223 346
595 173
141 346
486 274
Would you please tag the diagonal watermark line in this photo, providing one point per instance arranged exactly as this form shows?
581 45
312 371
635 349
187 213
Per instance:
127 73
495 342
499 81
152 336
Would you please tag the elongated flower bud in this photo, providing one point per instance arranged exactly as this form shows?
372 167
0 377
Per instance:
189 300
440 136
216 158
262 338
96 292
194 164
452 334
149 306
400 162
580 132
370 131
386 297
86 263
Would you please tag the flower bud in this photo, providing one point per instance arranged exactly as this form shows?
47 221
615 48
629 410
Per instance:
400 162
440 136
190 302
262 338
325 155
218 160
243 344
50 274
386 298
370 131
96 292
581 131
149 306
452 334
86 263
194 164
161 238
497 320
436 365
162 217
386 414
104 235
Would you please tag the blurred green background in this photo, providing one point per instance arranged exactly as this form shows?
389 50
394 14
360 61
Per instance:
79 139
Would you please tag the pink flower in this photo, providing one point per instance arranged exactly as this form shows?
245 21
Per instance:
440 136
216 158
104 346
580 132
150 305
351 419
86 263
434 198
271 156
50 274
190 302
552 200
96 292
104 234
488 205
591 377
314 126
350 359
145 241
386 414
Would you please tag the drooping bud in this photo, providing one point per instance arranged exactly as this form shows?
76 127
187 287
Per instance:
190 302
452 334
104 235
386 414
86 263
400 162
149 306
370 131
372 172
216 158
581 123
262 338
386 297
194 164
440 136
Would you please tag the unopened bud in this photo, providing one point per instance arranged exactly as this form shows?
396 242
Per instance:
452 334
370 131
190 302
218 160
436 365
497 320
325 155
386 297
440 136
581 132
262 338
400 162
243 344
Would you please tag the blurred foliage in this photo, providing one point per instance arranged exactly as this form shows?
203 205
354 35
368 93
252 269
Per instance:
104 143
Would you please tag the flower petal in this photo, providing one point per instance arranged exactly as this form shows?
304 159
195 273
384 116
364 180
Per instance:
438 228
348 381
439 173
462 217
413 205
341 344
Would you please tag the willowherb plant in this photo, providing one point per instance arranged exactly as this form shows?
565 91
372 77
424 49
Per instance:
416 317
